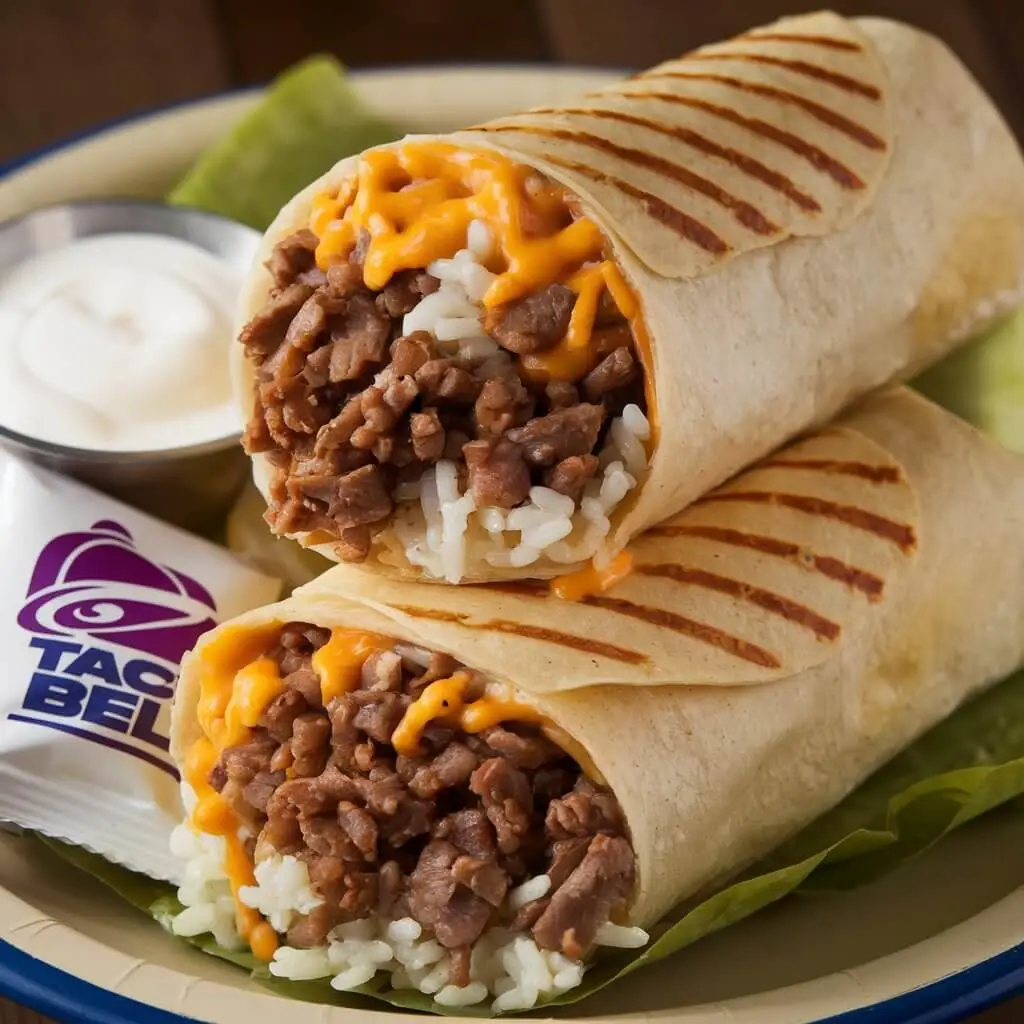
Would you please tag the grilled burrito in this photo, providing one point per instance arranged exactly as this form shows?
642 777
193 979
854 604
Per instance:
470 789
501 352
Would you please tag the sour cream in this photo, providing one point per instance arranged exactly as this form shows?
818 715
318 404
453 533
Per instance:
118 342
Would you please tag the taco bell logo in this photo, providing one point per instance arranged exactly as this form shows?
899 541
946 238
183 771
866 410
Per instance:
109 628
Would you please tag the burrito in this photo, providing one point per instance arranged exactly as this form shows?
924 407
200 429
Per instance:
502 352
471 790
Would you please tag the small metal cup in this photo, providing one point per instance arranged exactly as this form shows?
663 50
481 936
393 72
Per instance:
194 486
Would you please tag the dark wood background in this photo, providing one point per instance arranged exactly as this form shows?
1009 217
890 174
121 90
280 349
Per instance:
66 65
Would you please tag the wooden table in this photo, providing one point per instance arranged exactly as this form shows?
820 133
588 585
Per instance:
68 64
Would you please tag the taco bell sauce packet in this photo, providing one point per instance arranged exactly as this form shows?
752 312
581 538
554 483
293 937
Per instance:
98 604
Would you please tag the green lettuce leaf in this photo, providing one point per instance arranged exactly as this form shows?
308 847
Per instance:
309 118
983 382
966 765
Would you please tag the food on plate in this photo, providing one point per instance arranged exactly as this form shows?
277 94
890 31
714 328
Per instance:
307 119
118 342
502 352
470 789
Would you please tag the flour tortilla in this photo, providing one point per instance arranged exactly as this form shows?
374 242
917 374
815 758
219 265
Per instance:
915 238
714 757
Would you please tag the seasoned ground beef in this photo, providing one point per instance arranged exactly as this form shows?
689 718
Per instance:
442 836
349 407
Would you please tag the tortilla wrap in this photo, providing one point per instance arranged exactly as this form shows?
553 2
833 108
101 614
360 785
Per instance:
805 213
775 643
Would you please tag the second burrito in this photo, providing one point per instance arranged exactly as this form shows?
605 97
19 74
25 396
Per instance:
471 789
502 352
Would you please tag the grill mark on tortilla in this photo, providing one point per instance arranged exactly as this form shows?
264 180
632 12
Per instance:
700 631
821 113
817 158
519 588
793 37
747 214
851 576
741 161
551 636
799 67
845 467
769 601
900 534
683 224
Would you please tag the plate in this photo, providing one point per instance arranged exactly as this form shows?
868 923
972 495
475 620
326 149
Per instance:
939 939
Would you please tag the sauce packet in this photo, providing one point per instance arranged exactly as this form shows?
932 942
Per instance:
98 604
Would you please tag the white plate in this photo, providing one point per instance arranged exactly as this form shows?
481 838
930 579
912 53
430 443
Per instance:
939 939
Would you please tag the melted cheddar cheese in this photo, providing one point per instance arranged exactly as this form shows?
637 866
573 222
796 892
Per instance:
339 663
590 581
444 700
416 203
238 682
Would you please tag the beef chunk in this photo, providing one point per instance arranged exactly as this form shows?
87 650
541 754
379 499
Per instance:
533 323
266 330
261 788
522 751
463 920
281 712
439 666
561 394
507 798
379 713
442 380
427 435
389 887
382 670
360 828
311 931
585 811
359 338
404 291
485 878
326 837
292 256
344 279
601 884
566 855
470 831
361 497
498 475
616 370
309 744
570 476
242 763
432 884
559 435
410 352
498 406
451 767
354 543
306 683
458 973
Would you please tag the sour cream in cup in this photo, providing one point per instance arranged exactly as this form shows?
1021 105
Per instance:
115 329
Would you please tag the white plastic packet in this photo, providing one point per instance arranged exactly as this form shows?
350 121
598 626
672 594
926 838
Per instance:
98 604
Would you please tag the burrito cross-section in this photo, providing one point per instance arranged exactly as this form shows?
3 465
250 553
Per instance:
506 351
470 791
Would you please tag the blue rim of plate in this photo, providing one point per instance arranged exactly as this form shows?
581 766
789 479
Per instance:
55 993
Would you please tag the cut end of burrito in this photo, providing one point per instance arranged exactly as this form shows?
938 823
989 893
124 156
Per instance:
357 805
449 370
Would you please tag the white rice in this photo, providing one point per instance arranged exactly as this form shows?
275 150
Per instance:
510 970
439 528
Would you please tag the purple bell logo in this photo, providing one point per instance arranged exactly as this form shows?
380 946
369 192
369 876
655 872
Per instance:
95 583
